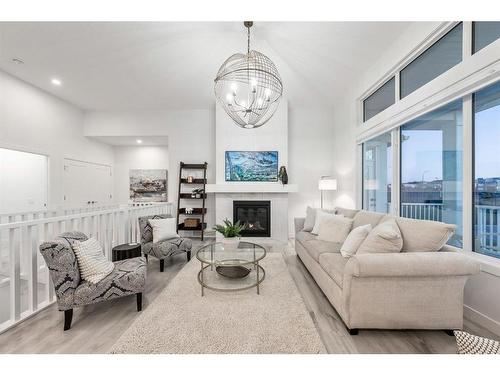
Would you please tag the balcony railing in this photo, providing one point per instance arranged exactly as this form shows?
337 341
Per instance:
422 211
25 285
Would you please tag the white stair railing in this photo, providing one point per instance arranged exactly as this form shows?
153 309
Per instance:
25 285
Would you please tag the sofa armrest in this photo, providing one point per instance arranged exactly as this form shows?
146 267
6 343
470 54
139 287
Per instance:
299 223
411 265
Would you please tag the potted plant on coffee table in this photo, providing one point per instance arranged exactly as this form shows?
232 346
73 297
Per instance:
230 231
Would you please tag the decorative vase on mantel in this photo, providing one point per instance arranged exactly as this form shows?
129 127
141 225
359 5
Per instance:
282 175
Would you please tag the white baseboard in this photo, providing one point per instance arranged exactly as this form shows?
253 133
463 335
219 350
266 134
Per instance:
482 320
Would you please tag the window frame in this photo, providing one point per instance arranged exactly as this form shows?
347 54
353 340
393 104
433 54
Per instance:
375 91
424 51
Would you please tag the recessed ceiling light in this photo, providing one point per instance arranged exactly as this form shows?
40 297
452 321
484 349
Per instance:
56 82
139 141
15 60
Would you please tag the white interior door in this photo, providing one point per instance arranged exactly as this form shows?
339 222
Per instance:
86 184
23 181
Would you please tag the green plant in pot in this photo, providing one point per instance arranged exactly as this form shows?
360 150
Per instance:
230 231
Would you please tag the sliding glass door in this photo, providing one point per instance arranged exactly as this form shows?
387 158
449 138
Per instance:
487 170
431 167
377 173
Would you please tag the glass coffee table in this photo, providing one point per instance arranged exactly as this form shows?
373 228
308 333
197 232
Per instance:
231 266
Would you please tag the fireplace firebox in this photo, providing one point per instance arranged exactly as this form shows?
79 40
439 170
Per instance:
256 215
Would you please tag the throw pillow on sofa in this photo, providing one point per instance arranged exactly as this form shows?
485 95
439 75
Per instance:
310 219
94 266
424 235
384 238
320 216
163 229
334 229
354 240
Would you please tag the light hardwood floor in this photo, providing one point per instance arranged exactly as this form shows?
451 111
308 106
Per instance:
96 328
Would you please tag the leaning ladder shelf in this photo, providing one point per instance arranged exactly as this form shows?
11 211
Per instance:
183 196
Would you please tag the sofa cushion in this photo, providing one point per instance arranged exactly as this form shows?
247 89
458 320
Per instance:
367 217
354 240
305 236
384 238
346 212
320 216
424 235
317 247
334 229
333 264
310 219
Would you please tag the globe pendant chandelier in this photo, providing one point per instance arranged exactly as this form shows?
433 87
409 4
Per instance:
248 87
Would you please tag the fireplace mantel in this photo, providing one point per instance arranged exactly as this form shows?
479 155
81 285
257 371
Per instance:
251 187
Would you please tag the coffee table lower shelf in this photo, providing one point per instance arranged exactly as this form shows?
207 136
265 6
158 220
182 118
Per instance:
259 271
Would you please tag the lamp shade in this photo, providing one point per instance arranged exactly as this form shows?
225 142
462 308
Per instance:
327 184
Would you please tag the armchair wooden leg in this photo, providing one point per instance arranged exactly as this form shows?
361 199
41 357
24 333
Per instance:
188 254
146 256
162 264
68 317
353 331
139 301
449 332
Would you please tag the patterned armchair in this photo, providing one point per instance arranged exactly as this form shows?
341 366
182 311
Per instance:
162 249
127 278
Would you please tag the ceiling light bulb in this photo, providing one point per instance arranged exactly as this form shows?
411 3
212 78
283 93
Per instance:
56 82
229 98
234 86
267 92
243 103
248 126
253 82
260 101
139 141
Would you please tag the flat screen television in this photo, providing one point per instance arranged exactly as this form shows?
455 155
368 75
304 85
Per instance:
252 166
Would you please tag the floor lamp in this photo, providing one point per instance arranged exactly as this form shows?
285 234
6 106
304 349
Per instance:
326 183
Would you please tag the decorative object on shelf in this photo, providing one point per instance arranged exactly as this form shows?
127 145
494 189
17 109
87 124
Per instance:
189 179
251 166
282 175
188 210
148 185
196 193
326 183
191 222
248 87
230 230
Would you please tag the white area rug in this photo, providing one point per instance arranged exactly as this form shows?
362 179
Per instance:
179 320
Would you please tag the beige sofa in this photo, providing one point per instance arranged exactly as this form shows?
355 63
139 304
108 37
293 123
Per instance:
406 290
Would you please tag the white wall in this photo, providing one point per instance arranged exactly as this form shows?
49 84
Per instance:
23 181
191 137
35 121
136 157
311 155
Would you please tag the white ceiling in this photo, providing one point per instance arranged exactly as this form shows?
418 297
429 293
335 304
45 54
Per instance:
132 140
152 65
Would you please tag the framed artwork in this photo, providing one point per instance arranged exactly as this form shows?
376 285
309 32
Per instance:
251 166
148 185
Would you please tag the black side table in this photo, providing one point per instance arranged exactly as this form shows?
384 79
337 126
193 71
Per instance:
126 251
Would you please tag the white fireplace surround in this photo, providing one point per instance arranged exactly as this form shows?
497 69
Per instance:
273 136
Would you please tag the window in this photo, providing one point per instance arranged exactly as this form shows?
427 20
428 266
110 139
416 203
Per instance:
487 171
437 59
381 99
484 33
431 168
377 173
